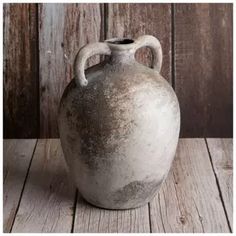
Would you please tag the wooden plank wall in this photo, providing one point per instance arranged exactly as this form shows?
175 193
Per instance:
41 40
20 84
203 68
63 29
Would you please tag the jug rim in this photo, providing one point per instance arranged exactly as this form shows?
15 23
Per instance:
120 43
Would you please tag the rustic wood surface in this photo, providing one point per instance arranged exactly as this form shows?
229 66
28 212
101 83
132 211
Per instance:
17 155
196 197
203 43
20 83
189 200
197 45
63 30
91 219
48 198
221 152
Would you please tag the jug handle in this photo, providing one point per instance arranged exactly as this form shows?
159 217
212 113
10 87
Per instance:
155 46
82 56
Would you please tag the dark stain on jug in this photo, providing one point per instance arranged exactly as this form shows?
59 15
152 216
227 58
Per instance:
101 133
136 190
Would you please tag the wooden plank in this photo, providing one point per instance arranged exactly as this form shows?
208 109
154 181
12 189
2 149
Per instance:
221 151
63 30
17 155
48 198
203 68
20 82
133 20
90 219
189 200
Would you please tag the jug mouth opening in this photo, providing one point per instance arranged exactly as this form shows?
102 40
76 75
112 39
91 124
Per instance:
120 41
120 44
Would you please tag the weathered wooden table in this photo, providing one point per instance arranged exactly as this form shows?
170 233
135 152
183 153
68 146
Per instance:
196 197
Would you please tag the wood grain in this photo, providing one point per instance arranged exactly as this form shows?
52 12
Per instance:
189 200
221 151
203 68
90 219
63 30
20 79
48 198
196 38
17 155
133 20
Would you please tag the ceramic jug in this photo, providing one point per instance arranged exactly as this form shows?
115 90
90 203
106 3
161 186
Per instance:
119 124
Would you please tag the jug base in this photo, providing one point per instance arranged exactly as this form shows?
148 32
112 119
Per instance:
121 207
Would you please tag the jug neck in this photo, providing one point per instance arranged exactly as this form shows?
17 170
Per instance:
122 50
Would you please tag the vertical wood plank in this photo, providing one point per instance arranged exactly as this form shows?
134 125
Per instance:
17 155
203 68
90 219
133 20
221 151
63 30
20 80
189 200
48 199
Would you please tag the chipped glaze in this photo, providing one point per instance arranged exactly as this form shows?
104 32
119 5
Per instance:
119 125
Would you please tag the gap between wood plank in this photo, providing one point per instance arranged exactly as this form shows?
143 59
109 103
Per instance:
74 211
173 45
218 186
38 68
105 21
149 216
23 188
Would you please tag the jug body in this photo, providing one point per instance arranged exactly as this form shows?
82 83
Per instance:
119 126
